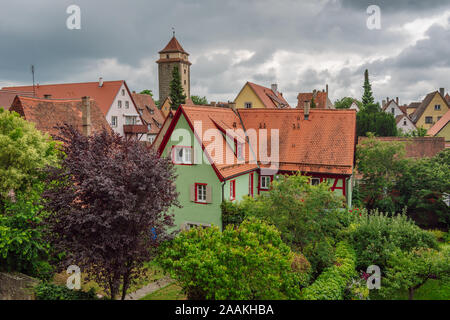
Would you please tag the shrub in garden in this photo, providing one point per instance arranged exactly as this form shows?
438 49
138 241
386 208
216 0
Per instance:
332 282
376 235
108 206
248 262
49 291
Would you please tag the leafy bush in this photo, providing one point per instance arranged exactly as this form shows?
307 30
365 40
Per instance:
439 234
248 262
232 213
49 291
22 247
332 283
375 236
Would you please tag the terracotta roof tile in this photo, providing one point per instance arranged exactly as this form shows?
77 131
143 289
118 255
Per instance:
439 124
173 46
269 98
320 99
324 143
150 112
48 113
104 96
7 98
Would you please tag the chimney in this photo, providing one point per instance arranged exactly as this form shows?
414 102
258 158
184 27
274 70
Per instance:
442 91
47 96
396 100
387 99
274 88
232 105
213 103
306 109
326 88
100 82
86 115
383 103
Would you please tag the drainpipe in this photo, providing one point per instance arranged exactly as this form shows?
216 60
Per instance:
223 192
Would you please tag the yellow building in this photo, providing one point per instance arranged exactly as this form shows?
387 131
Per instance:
442 129
431 110
254 96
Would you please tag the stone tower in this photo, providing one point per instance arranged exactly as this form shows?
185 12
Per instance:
169 57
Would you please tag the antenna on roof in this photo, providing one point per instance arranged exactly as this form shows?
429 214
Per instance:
32 73
173 31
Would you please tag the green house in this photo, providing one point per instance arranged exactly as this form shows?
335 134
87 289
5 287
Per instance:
225 154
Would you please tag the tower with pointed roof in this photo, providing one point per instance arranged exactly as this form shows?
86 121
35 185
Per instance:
173 55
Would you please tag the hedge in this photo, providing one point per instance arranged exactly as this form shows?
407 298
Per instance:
331 283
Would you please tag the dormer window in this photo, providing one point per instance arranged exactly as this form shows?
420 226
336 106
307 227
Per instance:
240 150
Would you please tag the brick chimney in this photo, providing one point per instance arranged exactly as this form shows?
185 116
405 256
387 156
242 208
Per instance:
396 100
442 91
86 115
274 88
306 109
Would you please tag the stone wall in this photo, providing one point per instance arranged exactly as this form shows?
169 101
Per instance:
17 286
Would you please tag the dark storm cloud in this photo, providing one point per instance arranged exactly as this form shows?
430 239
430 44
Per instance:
121 39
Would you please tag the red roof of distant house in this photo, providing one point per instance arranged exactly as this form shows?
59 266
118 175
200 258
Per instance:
104 96
46 114
417 147
439 124
269 98
150 113
320 99
447 98
173 46
323 144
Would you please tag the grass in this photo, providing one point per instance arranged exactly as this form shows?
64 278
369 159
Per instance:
152 272
169 292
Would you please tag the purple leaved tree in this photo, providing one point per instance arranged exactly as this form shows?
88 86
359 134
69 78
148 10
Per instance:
108 205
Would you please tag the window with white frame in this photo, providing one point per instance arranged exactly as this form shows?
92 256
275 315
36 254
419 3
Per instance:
119 104
428 119
264 182
127 104
189 225
240 151
315 181
129 120
248 105
113 121
437 107
200 192
182 155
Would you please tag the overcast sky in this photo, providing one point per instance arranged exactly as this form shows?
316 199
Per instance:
301 45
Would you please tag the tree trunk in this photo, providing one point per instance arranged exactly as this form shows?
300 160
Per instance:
411 293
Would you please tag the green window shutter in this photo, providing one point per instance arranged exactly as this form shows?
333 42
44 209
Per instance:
208 194
192 192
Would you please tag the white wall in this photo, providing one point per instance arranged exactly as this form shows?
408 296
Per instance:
114 110
394 105
408 127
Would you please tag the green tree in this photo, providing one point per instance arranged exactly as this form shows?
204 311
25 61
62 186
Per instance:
371 119
248 262
409 270
376 236
367 98
176 89
381 164
24 152
147 91
309 217
346 103
421 188
199 100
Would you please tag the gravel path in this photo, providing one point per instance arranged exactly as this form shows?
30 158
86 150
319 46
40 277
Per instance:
151 287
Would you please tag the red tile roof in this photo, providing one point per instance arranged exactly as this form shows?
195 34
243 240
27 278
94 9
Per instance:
150 112
219 118
323 144
104 96
269 98
173 46
48 113
447 98
438 126
320 99
417 147
7 98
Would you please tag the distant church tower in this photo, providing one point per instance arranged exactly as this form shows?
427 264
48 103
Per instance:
173 55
